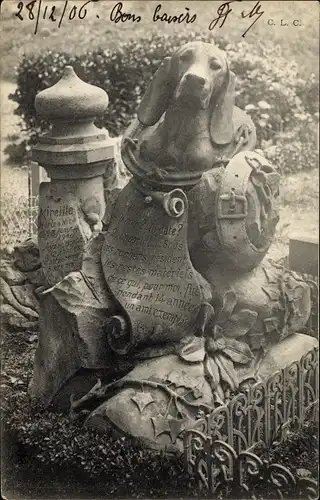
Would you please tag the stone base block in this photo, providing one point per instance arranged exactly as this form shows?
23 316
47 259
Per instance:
286 352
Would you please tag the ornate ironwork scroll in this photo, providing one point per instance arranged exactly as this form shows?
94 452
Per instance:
221 449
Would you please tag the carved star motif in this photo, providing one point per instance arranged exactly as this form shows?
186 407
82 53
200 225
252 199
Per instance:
170 425
142 400
160 425
176 427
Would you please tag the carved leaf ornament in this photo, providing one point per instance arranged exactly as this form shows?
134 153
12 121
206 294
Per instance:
220 348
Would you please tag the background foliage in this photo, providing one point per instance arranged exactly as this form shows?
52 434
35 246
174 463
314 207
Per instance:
282 103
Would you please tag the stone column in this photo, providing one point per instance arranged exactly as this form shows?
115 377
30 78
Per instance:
74 154
75 306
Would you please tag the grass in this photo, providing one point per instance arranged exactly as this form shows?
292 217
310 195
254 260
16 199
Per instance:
14 213
299 210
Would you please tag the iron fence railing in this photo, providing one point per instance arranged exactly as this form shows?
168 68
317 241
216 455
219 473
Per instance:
222 448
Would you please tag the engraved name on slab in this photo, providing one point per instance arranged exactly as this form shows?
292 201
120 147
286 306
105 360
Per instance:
61 239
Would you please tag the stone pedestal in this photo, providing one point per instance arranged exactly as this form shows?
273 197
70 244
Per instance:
74 154
75 304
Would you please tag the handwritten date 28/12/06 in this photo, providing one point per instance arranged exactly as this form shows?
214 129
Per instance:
36 10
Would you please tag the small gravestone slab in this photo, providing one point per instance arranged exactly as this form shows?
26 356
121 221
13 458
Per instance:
147 267
61 238
303 254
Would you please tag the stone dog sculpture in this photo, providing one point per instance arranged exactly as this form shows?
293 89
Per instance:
201 126
188 116
175 299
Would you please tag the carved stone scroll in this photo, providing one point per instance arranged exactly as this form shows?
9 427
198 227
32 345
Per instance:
147 265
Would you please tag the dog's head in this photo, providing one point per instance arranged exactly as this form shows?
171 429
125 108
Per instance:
196 75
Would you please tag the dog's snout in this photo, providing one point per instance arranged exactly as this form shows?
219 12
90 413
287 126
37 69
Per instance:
195 79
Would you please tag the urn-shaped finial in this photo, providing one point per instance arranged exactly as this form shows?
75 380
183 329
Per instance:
71 98
74 147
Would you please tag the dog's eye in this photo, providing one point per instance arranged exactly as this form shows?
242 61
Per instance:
215 65
185 57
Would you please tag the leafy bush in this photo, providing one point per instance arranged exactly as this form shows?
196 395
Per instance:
268 85
296 149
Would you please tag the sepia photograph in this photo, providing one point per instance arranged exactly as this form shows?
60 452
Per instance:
159 234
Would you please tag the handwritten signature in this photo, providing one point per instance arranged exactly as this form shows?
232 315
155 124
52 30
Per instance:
224 10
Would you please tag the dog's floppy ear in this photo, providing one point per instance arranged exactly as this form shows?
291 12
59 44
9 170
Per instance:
158 95
221 127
